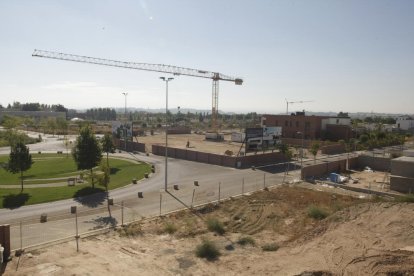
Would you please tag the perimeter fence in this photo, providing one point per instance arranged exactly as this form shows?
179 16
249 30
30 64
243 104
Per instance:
105 214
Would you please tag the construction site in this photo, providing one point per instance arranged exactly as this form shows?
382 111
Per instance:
333 210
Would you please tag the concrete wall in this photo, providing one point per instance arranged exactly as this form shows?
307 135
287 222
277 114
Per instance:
318 170
333 149
130 146
403 166
179 130
326 148
375 163
296 142
220 160
402 184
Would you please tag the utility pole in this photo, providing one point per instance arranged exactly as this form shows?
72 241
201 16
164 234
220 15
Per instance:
166 128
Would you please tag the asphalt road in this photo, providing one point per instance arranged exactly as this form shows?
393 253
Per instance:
215 182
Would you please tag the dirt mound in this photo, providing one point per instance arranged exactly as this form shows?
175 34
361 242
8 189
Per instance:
356 238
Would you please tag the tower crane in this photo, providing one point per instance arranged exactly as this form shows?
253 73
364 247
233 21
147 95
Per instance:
287 104
170 69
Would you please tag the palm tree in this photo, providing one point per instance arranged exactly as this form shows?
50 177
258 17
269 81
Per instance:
314 150
287 154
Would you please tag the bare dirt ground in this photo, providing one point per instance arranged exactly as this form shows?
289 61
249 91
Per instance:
357 237
197 142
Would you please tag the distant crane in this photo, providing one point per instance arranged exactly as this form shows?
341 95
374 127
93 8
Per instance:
170 69
287 104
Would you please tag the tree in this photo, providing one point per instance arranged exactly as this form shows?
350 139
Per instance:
87 152
287 154
51 125
314 148
108 146
104 179
62 126
20 160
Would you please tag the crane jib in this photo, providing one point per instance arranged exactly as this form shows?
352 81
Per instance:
169 69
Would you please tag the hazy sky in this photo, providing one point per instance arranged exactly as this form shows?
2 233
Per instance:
342 55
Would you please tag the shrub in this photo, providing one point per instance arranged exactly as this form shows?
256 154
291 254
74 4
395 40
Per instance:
270 247
215 225
131 230
170 228
317 213
207 250
246 241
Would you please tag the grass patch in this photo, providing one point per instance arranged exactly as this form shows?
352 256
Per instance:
122 174
207 250
270 247
12 198
405 198
317 213
48 166
170 228
246 241
214 225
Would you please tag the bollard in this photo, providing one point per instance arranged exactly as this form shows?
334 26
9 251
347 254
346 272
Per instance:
146 175
43 218
175 187
110 201
195 183
134 181
140 195
72 209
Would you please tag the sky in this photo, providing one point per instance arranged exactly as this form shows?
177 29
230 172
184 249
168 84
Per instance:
350 56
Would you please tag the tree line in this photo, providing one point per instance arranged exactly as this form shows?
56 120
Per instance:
35 107
101 114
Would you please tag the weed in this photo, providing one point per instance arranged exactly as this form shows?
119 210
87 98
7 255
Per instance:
207 250
270 247
405 198
215 225
170 228
131 230
317 213
246 241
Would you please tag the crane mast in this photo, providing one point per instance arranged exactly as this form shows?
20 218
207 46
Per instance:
162 68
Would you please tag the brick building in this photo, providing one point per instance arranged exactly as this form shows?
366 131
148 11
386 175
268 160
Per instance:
313 127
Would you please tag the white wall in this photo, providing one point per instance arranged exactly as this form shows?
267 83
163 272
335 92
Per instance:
405 124
335 121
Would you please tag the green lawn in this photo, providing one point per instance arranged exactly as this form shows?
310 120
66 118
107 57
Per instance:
122 172
45 166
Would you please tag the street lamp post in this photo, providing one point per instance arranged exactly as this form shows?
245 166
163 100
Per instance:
301 151
166 128
125 130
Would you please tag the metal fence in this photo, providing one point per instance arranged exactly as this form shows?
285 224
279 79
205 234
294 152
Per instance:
85 221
